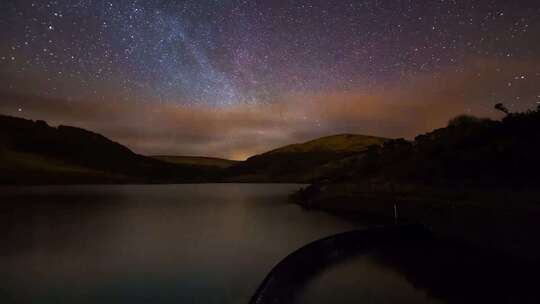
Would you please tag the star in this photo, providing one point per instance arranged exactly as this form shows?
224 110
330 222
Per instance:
239 54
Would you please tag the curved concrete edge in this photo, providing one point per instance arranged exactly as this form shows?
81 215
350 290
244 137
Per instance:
296 268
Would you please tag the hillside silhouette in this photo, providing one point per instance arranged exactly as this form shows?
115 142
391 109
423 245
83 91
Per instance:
32 152
304 162
468 151
469 154
220 163
474 180
36 153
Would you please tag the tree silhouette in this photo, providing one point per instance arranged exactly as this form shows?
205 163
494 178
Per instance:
463 120
502 108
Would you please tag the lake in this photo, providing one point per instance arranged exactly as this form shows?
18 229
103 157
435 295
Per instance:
210 243
150 243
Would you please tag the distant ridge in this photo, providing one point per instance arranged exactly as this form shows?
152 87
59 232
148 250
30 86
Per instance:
32 152
334 143
304 162
197 160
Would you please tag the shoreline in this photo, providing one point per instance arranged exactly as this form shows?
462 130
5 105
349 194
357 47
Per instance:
493 222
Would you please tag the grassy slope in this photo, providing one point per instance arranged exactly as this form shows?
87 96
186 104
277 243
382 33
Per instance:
35 153
28 168
197 161
334 143
476 180
303 162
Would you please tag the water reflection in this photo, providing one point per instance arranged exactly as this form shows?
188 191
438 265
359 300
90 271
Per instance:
140 244
215 244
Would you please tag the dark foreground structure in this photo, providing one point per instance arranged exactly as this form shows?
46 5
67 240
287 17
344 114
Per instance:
446 270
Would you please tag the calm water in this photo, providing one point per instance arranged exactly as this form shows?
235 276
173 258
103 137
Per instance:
148 244
169 244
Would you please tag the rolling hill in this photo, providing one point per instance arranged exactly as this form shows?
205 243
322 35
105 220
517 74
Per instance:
304 162
341 143
197 161
32 152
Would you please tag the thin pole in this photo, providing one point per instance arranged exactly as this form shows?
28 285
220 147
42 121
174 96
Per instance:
395 213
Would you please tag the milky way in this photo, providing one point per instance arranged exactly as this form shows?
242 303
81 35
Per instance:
251 53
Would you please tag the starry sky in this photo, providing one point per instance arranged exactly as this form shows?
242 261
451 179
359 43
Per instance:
234 78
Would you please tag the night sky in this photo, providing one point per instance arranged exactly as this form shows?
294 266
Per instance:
234 78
